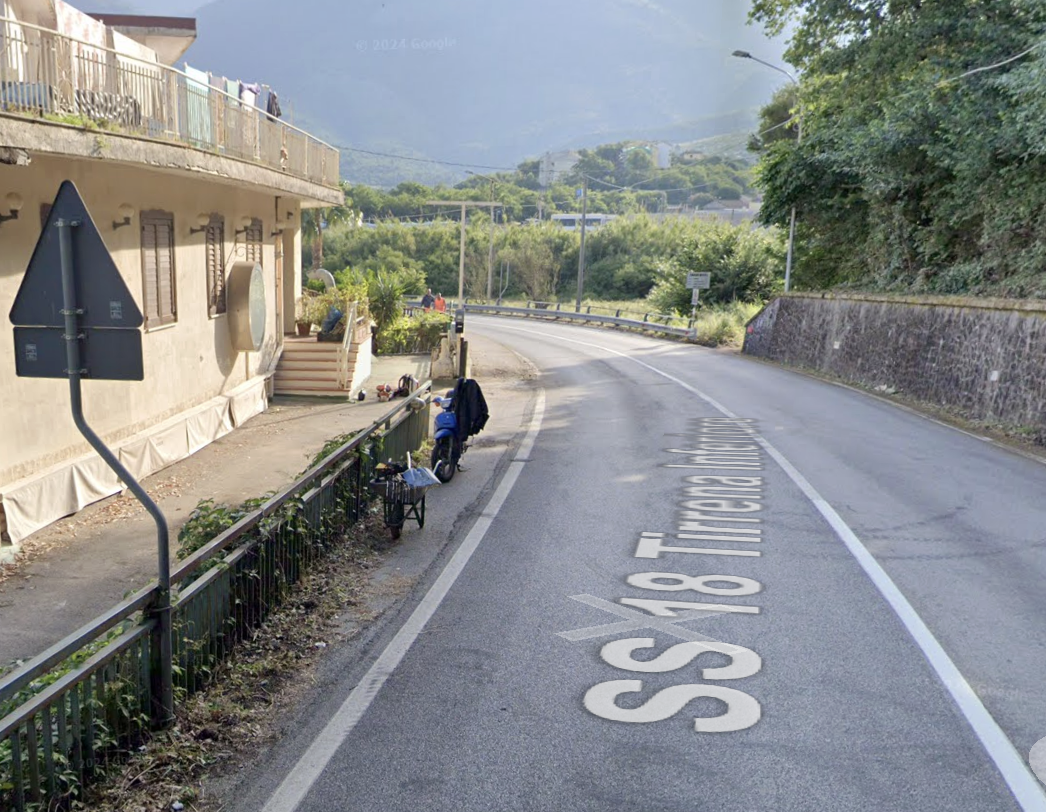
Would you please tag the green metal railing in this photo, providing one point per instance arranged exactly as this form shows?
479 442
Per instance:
88 700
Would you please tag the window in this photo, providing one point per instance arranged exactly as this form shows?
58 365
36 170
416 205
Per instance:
253 241
158 289
215 246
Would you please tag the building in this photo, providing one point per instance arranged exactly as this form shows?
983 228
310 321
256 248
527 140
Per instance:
184 176
554 165
572 222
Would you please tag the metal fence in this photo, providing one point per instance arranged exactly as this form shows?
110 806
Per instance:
89 699
46 74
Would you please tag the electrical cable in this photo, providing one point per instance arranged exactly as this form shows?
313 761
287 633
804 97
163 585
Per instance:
423 160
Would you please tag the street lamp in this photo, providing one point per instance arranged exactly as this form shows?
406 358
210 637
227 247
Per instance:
798 140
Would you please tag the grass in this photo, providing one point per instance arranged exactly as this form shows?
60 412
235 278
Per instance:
236 715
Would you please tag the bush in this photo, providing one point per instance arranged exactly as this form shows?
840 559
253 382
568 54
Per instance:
746 266
413 334
724 326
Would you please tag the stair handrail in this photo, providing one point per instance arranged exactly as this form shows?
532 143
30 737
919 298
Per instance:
343 349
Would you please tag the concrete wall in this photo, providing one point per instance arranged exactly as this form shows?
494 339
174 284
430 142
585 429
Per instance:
186 363
985 357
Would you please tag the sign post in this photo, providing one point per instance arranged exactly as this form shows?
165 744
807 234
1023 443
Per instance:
66 327
697 282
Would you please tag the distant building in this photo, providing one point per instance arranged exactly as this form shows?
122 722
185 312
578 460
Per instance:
572 222
554 165
663 155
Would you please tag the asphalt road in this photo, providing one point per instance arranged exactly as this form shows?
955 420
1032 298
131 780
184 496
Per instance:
705 583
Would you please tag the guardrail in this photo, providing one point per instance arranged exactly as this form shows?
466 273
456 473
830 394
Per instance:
88 699
556 314
47 74
552 311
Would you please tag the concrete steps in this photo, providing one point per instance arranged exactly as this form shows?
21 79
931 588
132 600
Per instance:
309 367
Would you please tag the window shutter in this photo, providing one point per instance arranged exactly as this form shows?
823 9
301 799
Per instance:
149 277
158 280
215 248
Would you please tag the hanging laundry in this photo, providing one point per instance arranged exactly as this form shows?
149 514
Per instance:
249 93
198 109
272 106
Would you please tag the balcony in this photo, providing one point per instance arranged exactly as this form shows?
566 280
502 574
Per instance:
46 75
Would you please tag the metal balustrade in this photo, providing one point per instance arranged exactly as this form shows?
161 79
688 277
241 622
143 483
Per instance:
44 74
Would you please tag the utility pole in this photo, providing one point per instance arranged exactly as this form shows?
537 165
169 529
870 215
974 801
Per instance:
461 259
490 258
581 256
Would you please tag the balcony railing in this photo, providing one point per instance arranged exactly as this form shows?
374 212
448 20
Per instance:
49 75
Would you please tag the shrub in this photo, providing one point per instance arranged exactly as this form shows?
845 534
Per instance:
413 334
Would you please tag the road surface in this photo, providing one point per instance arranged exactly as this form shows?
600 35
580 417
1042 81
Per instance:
704 583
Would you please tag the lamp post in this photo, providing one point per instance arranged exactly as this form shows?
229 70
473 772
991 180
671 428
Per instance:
798 140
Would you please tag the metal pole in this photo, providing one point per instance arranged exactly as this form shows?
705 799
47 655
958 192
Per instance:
581 256
798 140
461 263
463 358
791 226
161 609
490 258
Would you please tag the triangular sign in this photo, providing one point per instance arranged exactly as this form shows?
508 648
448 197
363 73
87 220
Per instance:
101 292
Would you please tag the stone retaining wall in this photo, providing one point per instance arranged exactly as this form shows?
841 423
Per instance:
986 357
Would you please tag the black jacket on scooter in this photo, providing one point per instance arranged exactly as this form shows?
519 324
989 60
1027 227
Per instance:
470 408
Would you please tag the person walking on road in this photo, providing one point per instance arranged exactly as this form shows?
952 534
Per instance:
427 300
440 304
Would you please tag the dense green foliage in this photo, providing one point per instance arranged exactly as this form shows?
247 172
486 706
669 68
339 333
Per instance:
922 164
624 260
419 333
623 179
396 243
744 265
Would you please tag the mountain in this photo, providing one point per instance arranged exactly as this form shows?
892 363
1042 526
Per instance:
490 84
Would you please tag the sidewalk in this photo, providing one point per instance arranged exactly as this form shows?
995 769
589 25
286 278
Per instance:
75 569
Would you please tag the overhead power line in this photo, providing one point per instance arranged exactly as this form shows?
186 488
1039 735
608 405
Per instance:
423 160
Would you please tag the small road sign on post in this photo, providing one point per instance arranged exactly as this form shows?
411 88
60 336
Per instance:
74 318
699 281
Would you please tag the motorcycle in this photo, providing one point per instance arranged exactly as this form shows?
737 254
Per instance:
449 447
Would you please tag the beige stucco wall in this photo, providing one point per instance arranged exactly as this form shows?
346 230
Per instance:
186 363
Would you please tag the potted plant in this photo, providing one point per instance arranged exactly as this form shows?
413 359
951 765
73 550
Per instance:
302 319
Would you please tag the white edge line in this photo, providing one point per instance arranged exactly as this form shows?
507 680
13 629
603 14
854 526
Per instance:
1015 771
311 765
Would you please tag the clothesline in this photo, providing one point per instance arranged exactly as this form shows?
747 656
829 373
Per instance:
249 93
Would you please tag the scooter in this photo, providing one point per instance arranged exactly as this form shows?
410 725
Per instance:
449 448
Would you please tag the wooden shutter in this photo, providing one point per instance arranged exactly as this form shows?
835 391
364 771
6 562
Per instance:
158 281
215 247
253 238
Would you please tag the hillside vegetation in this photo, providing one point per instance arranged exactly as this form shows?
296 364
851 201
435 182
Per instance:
922 165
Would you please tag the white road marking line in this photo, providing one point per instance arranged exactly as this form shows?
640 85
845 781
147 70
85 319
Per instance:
311 765
640 620
1015 771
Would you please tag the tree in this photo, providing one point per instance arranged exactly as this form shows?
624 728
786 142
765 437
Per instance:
315 221
778 120
745 265
920 166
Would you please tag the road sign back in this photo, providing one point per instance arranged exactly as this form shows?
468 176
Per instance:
101 292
